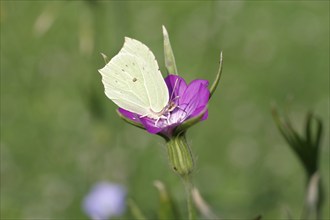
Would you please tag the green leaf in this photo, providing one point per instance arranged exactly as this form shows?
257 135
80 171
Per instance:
318 133
283 129
217 78
308 132
306 148
168 54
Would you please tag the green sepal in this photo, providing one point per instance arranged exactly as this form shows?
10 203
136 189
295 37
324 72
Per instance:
190 122
179 155
134 123
168 54
217 78
166 208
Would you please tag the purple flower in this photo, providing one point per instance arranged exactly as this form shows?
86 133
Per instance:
186 101
104 201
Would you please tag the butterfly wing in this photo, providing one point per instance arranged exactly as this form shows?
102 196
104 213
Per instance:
133 81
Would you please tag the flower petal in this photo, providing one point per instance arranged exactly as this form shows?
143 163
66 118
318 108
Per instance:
198 111
195 97
176 86
150 125
203 98
130 115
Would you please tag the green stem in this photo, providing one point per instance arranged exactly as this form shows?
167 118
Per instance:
182 163
188 188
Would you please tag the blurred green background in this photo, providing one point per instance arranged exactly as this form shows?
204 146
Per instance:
60 134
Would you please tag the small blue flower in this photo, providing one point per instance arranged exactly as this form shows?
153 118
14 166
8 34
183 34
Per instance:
104 201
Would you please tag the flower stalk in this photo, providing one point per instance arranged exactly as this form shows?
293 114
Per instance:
188 188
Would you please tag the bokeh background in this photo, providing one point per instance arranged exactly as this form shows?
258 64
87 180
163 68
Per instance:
60 134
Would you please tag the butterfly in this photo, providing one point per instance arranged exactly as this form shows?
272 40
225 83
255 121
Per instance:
133 81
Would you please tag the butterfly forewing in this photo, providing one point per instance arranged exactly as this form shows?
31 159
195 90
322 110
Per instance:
133 81
118 87
153 80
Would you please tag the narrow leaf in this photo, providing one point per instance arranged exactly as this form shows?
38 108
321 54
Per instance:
168 54
319 130
283 129
308 131
217 78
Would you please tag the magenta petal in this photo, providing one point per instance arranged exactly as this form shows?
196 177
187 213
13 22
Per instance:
193 89
176 86
195 98
198 111
149 124
129 115
203 98
205 116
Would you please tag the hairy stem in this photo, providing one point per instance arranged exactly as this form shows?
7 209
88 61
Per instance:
188 188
